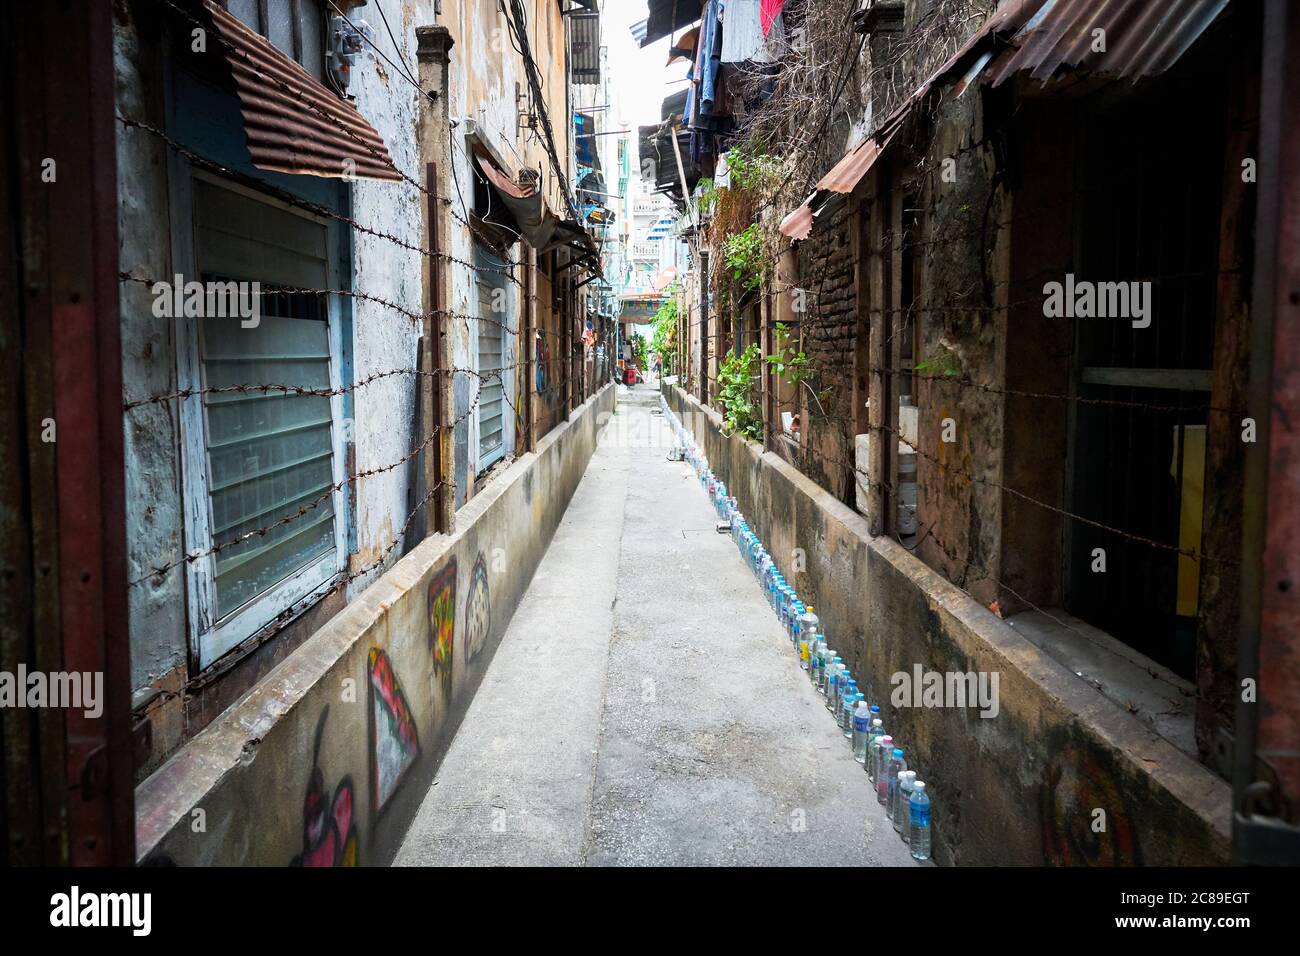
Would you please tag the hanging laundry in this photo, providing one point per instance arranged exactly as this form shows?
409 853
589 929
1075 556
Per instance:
742 33
771 10
708 57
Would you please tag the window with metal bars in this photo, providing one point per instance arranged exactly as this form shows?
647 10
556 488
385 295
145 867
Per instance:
262 466
494 351
1148 212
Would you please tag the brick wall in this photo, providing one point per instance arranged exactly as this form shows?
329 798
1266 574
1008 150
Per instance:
829 336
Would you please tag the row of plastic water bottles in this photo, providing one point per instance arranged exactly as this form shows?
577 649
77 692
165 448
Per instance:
897 788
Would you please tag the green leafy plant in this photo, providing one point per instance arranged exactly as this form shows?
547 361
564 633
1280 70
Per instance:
736 377
793 366
942 361
742 255
639 349
750 168
707 197
664 336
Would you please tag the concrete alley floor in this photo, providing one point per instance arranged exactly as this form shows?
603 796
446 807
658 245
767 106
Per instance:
644 706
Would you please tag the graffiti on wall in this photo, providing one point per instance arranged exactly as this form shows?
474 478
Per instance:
329 837
478 611
442 622
543 367
396 743
1074 834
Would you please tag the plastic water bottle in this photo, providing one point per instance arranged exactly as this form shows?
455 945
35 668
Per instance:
874 733
858 698
841 685
823 669
817 672
883 748
918 815
833 683
810 626
847 700
902 796
861 731
890 780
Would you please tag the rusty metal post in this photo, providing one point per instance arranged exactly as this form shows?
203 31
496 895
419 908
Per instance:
1266 784
436 378
433 54
704 327
66 591
528 347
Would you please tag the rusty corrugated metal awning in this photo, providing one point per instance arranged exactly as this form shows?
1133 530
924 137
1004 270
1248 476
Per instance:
1142 38
1042 37
842 179
292 122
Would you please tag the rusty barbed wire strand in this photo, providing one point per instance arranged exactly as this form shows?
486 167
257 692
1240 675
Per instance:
306 205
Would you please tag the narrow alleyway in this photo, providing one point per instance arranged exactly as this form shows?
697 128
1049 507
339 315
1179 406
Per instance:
642 711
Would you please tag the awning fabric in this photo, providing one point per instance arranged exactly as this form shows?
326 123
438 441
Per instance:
1039 37
536 223
292 123
684 47
665 17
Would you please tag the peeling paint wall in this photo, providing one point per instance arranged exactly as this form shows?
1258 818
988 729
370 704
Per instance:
378 417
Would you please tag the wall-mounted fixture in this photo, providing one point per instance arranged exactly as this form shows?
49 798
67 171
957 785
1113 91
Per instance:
347 43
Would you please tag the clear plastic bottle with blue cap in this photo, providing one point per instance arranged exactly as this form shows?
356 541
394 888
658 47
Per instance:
833 683
847 700
888 795
918 815
901 801
876 731
861 730
851 708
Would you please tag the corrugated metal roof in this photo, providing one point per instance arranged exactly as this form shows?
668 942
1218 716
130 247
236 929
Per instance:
842 179
1041 37
584 48
328 138
1142 38
666 16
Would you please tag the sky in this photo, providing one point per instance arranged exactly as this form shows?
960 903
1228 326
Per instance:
641 79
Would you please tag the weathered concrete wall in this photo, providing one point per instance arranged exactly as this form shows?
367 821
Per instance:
1020 787
327 758
378 339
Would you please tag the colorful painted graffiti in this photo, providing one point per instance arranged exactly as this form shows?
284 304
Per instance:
442 622
393 732
478 611
1075 787
542 365
329 837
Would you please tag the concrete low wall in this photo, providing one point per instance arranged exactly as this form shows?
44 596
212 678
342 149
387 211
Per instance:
325 761
1022 787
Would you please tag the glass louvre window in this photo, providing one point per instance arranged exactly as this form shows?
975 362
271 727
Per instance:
268 457
493 329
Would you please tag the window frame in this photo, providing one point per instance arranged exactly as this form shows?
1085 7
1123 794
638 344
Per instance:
263 29
490 260
210 638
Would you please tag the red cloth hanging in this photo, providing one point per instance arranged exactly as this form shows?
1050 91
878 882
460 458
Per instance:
769 10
